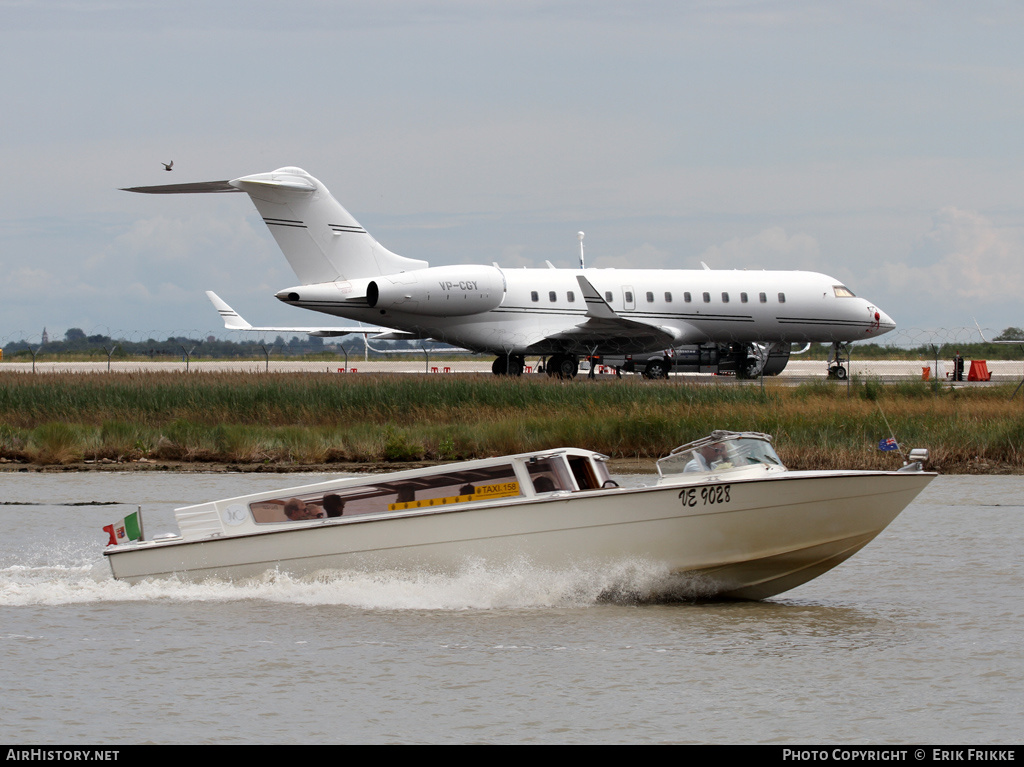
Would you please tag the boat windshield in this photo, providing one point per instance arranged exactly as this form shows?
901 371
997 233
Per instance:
720 451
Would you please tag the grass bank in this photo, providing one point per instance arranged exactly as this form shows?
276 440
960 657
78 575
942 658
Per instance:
315 419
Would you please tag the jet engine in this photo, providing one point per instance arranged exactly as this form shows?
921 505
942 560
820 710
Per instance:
440 291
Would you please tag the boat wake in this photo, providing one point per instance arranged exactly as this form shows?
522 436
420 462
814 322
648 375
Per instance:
475 586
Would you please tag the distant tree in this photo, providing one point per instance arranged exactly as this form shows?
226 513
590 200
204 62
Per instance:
1010 334
74 334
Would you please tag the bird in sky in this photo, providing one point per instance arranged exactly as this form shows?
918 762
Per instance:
168 165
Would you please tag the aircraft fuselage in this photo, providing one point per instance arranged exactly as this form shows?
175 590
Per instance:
539 311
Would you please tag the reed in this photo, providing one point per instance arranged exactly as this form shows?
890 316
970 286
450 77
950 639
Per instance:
287 419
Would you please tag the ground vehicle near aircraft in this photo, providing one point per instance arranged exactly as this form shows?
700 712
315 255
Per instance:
696 358
561 314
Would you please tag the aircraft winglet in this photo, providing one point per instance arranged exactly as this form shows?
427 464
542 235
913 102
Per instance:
232 319
597 307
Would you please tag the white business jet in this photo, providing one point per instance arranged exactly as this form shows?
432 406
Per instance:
739 321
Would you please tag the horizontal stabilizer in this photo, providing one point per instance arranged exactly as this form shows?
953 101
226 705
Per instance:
201 187
234 321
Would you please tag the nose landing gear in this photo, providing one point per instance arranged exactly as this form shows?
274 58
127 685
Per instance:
839 361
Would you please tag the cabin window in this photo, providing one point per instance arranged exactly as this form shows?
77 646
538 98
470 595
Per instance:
707 298
552 297
418 492
570 296
608 296
687 297
650 297
782 298
534 296
843 292
725 298
668 297
550 474
743 298
629 296
589 475
762 297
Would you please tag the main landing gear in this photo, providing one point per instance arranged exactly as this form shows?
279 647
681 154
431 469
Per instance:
558 365
563 366
509 365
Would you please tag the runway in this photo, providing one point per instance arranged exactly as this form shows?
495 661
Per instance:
797 371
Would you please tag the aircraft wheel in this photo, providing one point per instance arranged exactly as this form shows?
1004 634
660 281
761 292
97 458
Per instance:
841 373
746 369
656 369
553 363
508 366
563 366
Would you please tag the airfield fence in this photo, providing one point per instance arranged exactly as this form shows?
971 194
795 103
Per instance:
903 355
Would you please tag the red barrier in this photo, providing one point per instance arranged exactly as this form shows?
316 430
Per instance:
979 371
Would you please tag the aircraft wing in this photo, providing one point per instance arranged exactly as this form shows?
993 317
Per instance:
234 321
604 326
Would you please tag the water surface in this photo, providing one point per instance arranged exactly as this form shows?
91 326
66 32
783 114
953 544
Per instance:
914 640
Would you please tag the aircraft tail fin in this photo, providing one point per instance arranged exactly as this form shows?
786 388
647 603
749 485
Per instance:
320 239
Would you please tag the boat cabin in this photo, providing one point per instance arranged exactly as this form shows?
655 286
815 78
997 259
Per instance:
497 480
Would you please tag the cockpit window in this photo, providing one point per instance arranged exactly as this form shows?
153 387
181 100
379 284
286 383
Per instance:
843 292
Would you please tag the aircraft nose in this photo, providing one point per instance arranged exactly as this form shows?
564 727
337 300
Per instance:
880 321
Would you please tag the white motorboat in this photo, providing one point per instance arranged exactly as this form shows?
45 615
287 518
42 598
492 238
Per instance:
724 516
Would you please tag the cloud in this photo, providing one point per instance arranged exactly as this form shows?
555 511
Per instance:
646 256
771 248
27 279
963 256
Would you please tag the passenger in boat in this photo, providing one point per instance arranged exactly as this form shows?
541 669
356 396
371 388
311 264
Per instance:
297 510
705 458
543 484
333 505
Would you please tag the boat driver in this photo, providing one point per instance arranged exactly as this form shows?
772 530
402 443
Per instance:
706 457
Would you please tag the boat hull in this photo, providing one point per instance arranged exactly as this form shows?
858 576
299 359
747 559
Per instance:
747 539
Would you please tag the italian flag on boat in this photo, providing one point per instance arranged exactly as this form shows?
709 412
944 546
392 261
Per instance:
127 529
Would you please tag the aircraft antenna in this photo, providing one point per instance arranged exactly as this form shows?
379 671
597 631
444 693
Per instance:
581 236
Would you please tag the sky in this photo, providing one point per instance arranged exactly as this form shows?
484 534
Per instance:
880 143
